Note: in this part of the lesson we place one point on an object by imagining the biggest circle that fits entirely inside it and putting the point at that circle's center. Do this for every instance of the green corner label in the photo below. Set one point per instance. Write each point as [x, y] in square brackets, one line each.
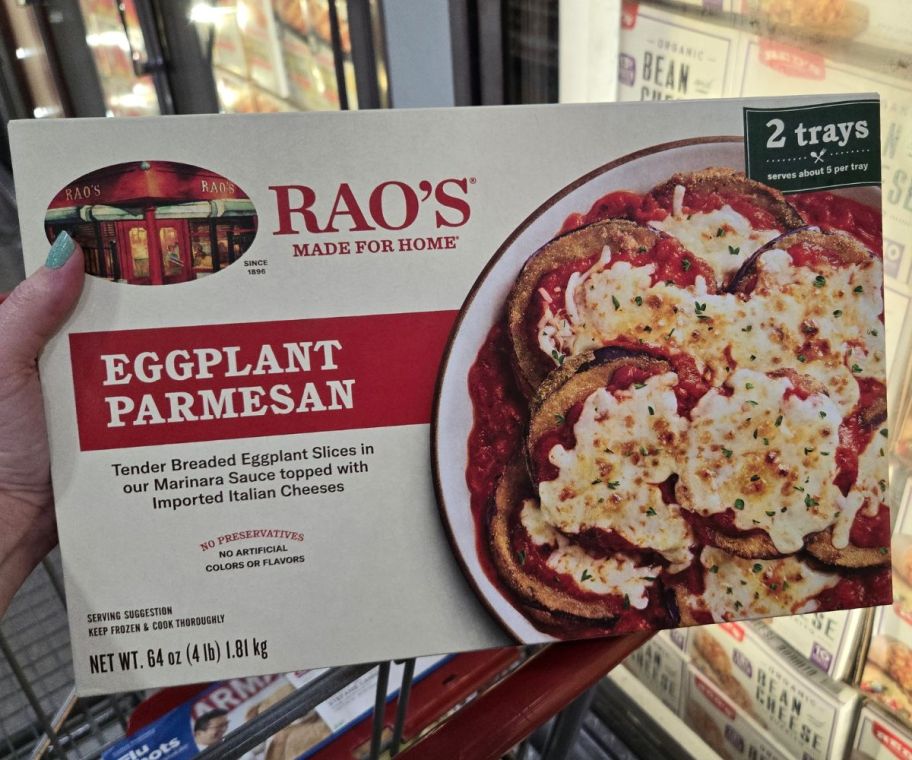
[814, 147]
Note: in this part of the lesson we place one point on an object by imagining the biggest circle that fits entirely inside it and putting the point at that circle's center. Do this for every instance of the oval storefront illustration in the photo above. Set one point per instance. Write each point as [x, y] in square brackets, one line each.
[154, 222]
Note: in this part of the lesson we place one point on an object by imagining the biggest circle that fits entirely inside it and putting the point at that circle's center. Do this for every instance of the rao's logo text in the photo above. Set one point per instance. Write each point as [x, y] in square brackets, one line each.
[392, 205]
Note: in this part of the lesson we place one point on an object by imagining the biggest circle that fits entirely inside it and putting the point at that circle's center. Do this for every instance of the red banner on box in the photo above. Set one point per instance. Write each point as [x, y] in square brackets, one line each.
[214, 382]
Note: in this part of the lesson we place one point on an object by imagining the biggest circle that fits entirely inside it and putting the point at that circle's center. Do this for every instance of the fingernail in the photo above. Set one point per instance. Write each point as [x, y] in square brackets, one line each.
[61, 251]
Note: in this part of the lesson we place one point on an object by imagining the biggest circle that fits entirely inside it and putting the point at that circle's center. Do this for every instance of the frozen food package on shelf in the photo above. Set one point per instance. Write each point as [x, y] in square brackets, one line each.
[669, 55]
[829, 640]
[851, 28]
[303, 77]
[724, 725]
[901, 509]
[205, 719]
[801, 707]
[261, 47]
[857, 26]
[660, 666]
[236, 95]
[227, 41]
[887, 675]
[879, 736]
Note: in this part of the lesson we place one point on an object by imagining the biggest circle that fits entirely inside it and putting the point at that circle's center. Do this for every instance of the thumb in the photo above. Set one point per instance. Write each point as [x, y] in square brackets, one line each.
[38, 306]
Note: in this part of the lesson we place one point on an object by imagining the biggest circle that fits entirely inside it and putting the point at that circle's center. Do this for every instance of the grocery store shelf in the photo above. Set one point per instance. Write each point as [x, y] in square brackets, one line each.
[643, 722]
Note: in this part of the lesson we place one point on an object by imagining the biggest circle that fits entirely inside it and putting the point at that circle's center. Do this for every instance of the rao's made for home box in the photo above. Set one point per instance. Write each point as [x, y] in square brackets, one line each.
[347, 387]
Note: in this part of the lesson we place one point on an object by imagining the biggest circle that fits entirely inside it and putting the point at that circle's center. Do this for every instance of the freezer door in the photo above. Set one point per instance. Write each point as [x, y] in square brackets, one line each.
[276, 55]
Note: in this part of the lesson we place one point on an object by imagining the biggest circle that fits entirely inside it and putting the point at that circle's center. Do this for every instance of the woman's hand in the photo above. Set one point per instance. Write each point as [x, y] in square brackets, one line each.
[29, 315]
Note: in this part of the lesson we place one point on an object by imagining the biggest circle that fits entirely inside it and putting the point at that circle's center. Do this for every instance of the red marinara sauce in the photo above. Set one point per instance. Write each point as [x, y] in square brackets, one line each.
[701, 202]
[621, 204]
[500, 412]
[869, 587]
[833, 212]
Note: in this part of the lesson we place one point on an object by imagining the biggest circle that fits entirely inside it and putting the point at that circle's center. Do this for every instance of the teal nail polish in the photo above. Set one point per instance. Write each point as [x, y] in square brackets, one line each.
[61, 251]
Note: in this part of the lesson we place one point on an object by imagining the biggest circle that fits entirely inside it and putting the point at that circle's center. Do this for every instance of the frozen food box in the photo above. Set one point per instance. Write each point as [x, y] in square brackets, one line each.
[203, 721]
[725, 726]
[887, 675]
[669, 55]
[880, 737]
[804, 710]
[830, 640]
[660, 666]
[347, 387]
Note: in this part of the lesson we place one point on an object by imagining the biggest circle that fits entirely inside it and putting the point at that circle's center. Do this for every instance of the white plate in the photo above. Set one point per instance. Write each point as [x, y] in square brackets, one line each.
[453, 416]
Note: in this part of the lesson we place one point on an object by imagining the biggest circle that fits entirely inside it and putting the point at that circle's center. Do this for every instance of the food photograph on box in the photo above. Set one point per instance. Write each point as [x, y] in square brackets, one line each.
[512, 380]
[680, 410]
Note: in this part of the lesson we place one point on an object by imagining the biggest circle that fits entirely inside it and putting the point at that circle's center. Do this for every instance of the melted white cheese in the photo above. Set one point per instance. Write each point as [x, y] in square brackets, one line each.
[867, 493]
[621, 301]
[767, 456]
[788, 308]
[822, 322]
[723, 238]
[744, 588]
[609, 576]
[626, 444]
[835, 308]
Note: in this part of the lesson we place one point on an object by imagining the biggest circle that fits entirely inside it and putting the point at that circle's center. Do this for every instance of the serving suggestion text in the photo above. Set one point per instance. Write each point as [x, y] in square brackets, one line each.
[215, 382]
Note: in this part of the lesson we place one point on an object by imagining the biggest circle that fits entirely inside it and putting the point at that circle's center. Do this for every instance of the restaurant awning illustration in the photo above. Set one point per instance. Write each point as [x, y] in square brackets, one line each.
[192, 210]
[154, 222]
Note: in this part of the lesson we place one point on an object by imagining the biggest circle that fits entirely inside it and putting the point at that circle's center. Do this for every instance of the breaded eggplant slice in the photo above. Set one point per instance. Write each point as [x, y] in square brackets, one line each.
[729, 183]
[545, 602]
[600, 448]
[841, 250]
[532, 365]
[758, 467]
[722, 216]
[821, 546]
[738, 588]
